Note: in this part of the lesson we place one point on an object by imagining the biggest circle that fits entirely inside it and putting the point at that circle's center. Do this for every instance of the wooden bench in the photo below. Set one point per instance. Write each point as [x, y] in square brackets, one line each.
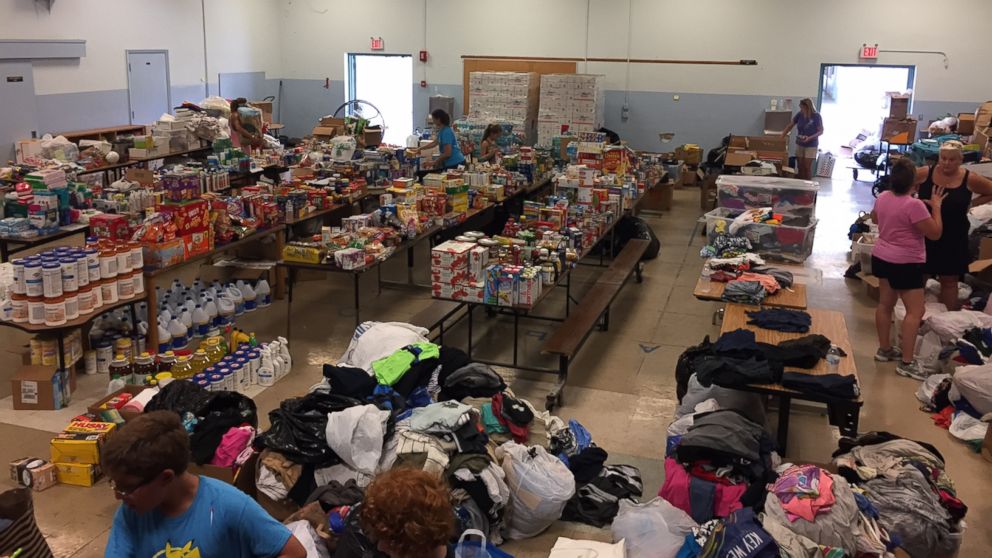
[594, 308]
[842, 413]
[434, 317]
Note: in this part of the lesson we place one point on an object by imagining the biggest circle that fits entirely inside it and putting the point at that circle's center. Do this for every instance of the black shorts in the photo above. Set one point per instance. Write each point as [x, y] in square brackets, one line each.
[901, 277]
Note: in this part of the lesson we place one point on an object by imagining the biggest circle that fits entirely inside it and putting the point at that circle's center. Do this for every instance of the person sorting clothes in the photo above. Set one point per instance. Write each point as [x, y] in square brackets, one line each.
[407, 513]
[948, 256]
[898, 260]
[168, 511]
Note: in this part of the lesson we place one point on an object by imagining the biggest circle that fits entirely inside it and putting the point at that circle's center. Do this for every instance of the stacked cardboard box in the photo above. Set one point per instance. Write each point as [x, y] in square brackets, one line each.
[76, 452]
[573, 100]
[458, 271]
[171, 136]
[505, 96]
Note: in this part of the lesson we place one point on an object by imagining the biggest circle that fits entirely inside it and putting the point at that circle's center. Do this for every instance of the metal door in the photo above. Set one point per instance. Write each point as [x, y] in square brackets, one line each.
[18, 113]
[148, 93]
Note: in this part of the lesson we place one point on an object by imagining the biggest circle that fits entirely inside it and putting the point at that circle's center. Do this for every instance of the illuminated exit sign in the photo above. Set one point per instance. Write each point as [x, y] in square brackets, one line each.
[377, 43]
[869, 52]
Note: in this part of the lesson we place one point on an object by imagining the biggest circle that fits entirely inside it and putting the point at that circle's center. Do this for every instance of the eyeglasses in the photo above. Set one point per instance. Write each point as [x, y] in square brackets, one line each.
[126, 493]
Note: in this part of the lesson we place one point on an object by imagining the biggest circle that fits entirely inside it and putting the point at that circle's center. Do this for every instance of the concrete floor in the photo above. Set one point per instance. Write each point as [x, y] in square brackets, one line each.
[622, 388]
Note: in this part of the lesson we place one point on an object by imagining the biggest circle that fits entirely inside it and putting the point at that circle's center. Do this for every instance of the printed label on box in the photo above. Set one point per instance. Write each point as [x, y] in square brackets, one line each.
[29, 392]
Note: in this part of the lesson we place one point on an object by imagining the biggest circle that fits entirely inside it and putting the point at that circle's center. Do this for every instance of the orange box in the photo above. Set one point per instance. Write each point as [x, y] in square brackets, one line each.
[189, 217]
[195, 244]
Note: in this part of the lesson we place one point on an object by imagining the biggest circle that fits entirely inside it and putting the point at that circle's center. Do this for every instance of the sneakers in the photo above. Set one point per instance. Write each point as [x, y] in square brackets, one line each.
[893, 353]
[911, 370]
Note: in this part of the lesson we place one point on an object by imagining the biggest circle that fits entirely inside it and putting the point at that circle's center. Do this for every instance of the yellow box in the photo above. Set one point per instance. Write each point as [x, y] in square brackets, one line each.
[76, 447]
[79, 474]
[90, 427]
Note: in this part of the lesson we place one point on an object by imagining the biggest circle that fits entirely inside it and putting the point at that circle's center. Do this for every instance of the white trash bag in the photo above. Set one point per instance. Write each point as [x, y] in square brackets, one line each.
[570, 548]
[540, 486]
[357, 435]
[654, 529]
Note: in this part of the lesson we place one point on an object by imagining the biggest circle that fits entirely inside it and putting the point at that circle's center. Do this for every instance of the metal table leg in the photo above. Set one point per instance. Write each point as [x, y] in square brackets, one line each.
[470, 306]
[784, 409]
[4, 253]
[357, 277]
[516, 335]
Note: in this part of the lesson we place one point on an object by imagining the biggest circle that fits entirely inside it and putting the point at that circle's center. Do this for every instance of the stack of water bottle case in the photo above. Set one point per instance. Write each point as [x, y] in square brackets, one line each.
[776, 215]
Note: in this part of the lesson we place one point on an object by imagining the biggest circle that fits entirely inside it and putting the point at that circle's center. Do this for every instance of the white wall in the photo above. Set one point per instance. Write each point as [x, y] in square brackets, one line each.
[789, 39]
[243, 36]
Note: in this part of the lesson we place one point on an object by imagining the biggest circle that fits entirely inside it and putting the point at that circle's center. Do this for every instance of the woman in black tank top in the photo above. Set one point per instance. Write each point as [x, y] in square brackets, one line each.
[948, 257]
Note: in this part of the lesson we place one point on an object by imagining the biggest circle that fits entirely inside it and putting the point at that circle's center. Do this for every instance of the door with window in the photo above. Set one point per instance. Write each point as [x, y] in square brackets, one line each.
[148, 93]
[384, 82]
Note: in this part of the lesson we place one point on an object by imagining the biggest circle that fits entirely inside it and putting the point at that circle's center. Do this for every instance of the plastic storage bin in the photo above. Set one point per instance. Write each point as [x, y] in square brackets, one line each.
[780, 242]
[788, 196]
[862, 252]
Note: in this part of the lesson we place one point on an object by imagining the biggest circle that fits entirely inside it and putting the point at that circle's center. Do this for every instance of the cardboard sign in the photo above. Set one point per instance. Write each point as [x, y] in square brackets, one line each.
[141, 176]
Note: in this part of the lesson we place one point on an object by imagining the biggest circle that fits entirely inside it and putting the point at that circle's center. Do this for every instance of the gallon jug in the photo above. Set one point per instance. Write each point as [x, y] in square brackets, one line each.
[263, 295]
[179, 334]
[201, 321]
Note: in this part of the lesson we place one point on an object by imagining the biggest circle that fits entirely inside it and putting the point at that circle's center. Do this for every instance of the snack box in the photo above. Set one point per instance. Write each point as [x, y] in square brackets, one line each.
[451, 254]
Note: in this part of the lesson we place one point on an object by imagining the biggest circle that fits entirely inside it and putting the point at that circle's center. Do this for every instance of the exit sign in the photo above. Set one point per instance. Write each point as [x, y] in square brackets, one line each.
[869, 52]
[377, 43]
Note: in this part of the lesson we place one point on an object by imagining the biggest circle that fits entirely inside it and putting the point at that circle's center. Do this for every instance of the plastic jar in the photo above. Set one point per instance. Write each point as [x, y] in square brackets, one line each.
[123, 346]
[216, 382]
[104, 356]
[123, 259]
[137, 256]
[228, 376]
[92, 263]
[108, 289]
[51, 277]
[71, 305]
[55, 311]
[182, 369]
[138, 281]
[33, 283]
[120, 367]
[36, 310]
[82, 273]
[97, 295]
[19, 308]
[166, 361]
[240, 375]
[85, 295]
[69, 282]
[18, 286]
[108, 264]
[125, 288]
[144, 365]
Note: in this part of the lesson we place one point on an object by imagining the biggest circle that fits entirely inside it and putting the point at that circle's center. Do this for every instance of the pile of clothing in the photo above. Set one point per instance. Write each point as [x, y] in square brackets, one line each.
[395, 399]
[221, 424]
[904, 482]
[961, 403]
[748, 279]
[726, 246]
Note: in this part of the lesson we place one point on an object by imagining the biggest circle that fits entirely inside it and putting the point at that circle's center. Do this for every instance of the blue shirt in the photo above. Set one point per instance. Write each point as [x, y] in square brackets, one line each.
[221, 522]
[807, 127]
[447, 137]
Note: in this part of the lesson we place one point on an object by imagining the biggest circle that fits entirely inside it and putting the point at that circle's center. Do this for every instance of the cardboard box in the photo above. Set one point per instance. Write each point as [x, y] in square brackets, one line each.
[331, 122]
[195, 244]
[36, 474]
[26, 149]
[163, 254]
[689, 154]
[79, 447]
[898, 106]
[39, 388]
[966, 123]
[707, 193]
[899, 132]
[78, 474]
[739, 157]
[983, 115]
[100, 407]
[242, 478]
[324, 132]
[189, 217]
[987, 445]
[689, 177]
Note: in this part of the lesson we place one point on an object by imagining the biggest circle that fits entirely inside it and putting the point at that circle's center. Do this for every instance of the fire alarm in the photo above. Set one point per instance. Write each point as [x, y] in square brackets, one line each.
[423, 83]
[423, 56]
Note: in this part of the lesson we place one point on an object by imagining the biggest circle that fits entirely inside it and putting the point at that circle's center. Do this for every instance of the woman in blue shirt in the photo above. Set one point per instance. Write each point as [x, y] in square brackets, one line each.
[451, 155]
[809, 127]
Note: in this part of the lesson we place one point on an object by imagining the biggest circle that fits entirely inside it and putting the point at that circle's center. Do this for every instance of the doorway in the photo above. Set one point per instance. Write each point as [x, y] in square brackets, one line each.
[18, 117]
[386, 82]
[148, 90]
[853, 101]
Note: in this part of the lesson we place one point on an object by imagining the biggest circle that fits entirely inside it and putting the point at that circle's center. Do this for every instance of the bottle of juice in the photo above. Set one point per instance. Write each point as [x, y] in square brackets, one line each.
[182, 369]
[199, 362]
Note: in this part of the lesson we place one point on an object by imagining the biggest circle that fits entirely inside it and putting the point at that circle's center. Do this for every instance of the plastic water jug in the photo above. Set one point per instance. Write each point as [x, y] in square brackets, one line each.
[225, 310]
[201, 321]
[164, 338]
[179, 334]
[186, 318]
[263, 295]
[250, 297]
[239, 301]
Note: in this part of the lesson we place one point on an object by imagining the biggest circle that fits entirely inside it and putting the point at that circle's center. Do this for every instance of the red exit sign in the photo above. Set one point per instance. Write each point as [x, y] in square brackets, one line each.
[377, 43]
[869, 52]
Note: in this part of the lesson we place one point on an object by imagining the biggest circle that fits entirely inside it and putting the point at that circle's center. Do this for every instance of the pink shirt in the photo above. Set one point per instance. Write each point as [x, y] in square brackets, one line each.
[899, 241]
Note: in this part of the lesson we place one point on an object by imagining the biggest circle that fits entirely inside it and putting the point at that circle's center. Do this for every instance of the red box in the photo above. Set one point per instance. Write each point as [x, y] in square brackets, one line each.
[451, 254]
[114, 227]
[195, 244]
[189, 217]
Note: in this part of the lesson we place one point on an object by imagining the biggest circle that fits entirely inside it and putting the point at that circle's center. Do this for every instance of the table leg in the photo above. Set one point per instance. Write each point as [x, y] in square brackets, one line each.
[61, 356]
[516, 334]
[409, 265]
[4, 254]
[152, 301]
[291, 279]
[356, 280]
[568, 293]
[470, 306]
[279, 292]
[784, 409]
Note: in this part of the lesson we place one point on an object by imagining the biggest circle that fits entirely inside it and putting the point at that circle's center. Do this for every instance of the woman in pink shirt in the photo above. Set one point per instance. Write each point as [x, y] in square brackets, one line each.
[898, 260]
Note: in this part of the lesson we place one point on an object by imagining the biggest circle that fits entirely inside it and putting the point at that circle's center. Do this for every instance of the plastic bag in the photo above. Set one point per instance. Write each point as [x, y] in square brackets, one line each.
[654, 529]
[927, 388]
[59, 148]
[356, 435]
[540, 486]
[224, 410]
[181, 396]
[477, 549]
[216, 106]
[928, 347]
[299, 428]
[308, 537]
[569, 548]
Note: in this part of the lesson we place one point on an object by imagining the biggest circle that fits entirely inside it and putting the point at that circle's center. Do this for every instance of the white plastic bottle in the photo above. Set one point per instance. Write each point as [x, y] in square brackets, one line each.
[263, 295]
[210, 307]
[115, 385]
[186, 317]
[225, 310]
[251, 298]
[284, 352]
[239, 301]
[201, 321]
[179, 334]
[164, 337]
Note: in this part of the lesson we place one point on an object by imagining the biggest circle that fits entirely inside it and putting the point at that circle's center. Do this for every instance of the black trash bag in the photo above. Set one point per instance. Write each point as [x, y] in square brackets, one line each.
[298, 428]
[685, 367]
[353, 543]
[181, 396]
[225, 410]
[629, 227]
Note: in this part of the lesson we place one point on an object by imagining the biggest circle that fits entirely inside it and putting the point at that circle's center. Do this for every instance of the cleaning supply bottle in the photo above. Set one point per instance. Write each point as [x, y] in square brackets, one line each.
[201, 321]
[179, 334]
[116, 384]
[186, 317]
[164, 337]
[284, 350]
[210, 307]
[239, 301]
[263, 295]
[225, 310]
[250, 297]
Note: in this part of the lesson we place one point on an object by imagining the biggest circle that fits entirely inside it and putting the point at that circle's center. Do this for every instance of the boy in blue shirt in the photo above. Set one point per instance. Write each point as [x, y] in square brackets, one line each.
[169, 512]
[450, 153]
